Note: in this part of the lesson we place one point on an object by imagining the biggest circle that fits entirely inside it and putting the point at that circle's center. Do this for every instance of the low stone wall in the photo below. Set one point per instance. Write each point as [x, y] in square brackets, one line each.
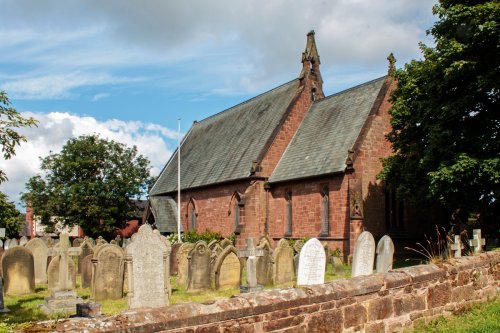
[376, 303]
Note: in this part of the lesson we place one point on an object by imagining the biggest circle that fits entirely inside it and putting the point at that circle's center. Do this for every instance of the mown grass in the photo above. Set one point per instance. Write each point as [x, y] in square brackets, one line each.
[481, 318]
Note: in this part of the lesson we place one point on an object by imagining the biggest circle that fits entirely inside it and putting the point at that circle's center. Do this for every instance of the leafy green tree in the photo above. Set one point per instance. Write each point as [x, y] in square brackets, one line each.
[10, 120]
[10, 218]
[445, 115]
[91, 183]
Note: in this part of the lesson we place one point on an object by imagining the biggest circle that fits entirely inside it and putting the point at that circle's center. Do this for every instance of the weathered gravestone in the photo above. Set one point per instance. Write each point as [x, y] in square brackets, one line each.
[169, 254]
[18, 270]
[86, 271]
[227, 269]
[283, 271]
[23, 240]
[107, 272]
[147, 263]
[212, 243]
[100, 241]
[264, 263]
[86, 249]
[183, 264]
[477, 242]
[225, 242]
[199, 267]
[251, 254]
[457, 247]
[77, 242]
[216, 250]
[364, 255]
[40, 254]
[311, 263]
[297, 247]
[173, 258]
[385, 254]
[1, 244]
[62, 278]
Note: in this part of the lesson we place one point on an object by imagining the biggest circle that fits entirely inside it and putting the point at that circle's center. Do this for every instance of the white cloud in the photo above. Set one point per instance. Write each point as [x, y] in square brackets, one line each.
[56, 128]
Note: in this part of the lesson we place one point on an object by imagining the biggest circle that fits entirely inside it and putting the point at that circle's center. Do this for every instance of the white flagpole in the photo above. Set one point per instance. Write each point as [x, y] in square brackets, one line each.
[179, 182]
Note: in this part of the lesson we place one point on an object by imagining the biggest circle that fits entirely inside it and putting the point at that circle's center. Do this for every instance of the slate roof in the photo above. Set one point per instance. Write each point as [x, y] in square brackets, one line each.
[164, 209]
[222, 147]
[329, 129]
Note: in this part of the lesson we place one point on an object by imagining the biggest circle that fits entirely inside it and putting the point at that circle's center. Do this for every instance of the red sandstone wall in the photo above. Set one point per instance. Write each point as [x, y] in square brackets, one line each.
[307, 207]
[377, 303]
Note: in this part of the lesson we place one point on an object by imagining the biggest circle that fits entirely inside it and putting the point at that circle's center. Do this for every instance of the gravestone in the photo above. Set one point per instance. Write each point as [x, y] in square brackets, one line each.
[199, 267]
[86, 271]
[3, 309]
[264, 263]
[337, 265]
[6, 245]
[212, 244]
[86, 249]
[23, 240]
[477, 242]
[18, 270]
[225, 242]
[215, 253]
[297, 247]
[100, 241]
[1, 244]
[183, 264]
[40, 254]
[227, 269]
[173, 258]
[147, 264]
[251, 253]
[169, 254]
[61, 276]
[311, 263]
[283, 272]
[125, 242]
[457, 247]
[107, 272]
[364, 255]
[385, 254]
[77, 242]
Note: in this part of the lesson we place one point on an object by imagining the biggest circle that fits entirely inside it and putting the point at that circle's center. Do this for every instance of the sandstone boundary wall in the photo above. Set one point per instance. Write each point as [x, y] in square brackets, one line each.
[377, 303]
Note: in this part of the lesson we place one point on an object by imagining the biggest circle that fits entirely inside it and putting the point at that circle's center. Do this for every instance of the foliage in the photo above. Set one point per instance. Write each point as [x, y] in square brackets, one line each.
[191, 236]
[10, 218]
[435, 250]
[445, 125]
[92, 183]
[10, 120]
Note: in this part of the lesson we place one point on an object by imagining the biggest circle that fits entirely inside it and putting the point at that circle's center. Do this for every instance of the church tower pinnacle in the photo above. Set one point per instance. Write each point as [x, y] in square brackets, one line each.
[310, 64]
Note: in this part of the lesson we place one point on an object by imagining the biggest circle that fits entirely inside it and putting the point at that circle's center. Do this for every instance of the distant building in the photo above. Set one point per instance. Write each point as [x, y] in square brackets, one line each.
[288, 163]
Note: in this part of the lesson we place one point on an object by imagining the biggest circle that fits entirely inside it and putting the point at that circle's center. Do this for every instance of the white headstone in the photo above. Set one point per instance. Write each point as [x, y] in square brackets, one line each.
[147, 263]
[23, 240]
[385, 254]
[312, 262]
[477, 242]
[364, 255]
[457, 247]
[2, 232]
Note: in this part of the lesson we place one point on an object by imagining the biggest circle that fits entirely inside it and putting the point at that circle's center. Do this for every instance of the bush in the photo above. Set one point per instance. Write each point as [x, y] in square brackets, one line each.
[192, 236]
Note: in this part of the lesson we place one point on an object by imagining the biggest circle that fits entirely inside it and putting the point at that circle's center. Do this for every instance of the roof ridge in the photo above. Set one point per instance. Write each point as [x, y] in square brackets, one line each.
[245, 101]
[349, 89]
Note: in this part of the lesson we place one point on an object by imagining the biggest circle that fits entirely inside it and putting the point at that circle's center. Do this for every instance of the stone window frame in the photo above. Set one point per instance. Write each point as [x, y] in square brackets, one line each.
[192, 214]
[325, 210]
[288, 213]
[237, 209]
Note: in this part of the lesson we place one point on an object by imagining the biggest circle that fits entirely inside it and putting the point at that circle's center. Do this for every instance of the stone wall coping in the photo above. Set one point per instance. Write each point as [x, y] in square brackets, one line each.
[251, 304]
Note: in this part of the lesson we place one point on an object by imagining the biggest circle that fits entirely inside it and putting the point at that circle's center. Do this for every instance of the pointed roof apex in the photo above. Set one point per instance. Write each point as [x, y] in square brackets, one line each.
[392, 69]
[311, 52]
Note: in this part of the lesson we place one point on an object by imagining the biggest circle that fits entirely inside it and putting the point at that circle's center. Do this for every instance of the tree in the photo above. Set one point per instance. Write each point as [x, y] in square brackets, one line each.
[10, 218]
[92, 183]
[10, 119]
[445, 119]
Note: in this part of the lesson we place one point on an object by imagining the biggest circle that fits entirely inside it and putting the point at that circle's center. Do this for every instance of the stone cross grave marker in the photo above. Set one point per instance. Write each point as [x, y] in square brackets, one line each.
[364, 255]
[63, 296]
[251, 253]
[477, 242]
[457, 247]
[385, 254]
[312, 260]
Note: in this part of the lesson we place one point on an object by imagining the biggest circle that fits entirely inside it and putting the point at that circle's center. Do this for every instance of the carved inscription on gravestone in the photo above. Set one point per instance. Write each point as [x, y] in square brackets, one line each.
[148, 271]
[107, 276]
[311, 263]
[18, 271]
[364, 255]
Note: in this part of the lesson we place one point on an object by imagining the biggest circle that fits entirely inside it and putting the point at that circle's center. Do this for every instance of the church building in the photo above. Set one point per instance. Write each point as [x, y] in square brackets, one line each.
[289, 163]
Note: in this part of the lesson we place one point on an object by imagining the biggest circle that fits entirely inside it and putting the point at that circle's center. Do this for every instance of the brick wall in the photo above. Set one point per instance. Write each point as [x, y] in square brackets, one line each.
[376, 303]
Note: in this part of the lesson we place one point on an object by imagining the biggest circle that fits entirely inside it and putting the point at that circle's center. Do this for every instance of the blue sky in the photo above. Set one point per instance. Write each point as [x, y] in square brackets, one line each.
[129, 69]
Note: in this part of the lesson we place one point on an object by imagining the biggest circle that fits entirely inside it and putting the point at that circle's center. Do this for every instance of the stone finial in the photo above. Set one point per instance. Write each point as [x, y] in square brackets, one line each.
[349, 163]
[392, 69]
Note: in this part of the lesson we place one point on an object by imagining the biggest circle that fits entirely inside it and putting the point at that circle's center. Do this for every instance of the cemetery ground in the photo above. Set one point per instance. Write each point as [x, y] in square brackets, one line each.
[25, 309]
